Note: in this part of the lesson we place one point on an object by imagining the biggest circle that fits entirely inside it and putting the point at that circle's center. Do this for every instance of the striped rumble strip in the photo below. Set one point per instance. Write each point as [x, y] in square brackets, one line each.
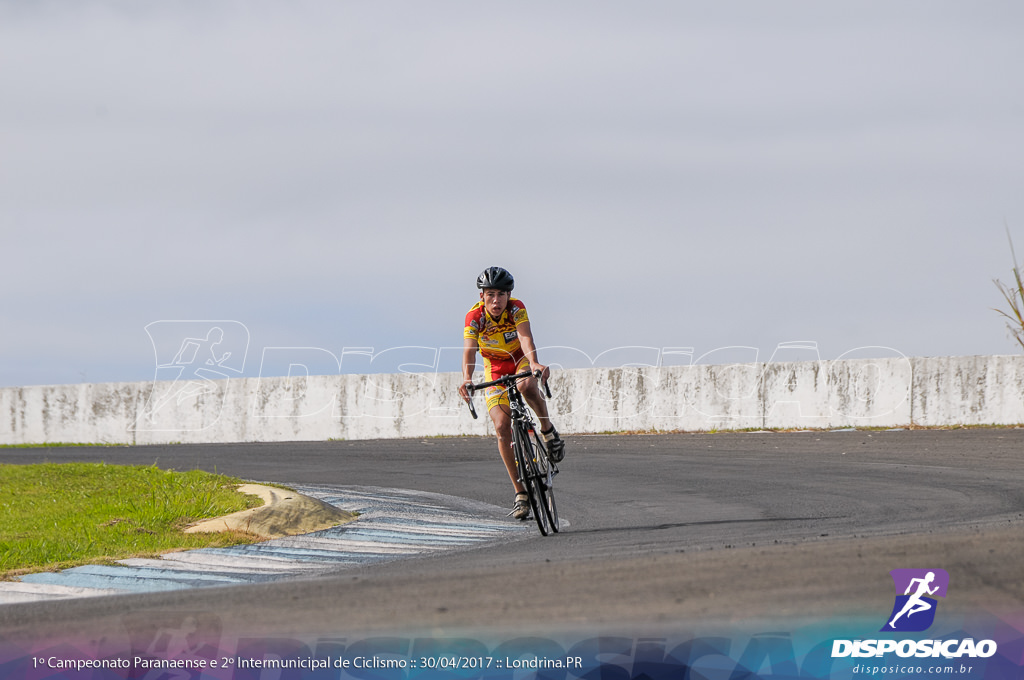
[393, 524]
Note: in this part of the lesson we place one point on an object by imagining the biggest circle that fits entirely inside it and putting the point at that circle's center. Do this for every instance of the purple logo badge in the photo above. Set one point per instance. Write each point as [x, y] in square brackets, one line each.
[916, 590]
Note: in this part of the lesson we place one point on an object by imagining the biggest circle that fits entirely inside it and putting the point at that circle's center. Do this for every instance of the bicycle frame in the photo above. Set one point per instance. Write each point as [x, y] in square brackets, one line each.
[535, 471]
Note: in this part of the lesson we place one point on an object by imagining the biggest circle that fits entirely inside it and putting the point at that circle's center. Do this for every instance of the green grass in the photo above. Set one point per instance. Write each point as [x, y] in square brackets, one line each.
[55, 516]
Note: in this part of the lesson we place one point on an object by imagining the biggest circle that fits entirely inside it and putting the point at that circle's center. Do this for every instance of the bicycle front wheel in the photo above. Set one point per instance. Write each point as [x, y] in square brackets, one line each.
[547, 488]
[530, 476]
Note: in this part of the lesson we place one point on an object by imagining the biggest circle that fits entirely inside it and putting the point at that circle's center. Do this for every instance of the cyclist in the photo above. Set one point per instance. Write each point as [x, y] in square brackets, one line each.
[499, 329]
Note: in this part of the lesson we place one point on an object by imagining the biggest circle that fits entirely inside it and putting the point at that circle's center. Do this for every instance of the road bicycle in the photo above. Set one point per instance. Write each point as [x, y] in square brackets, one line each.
[534, 469]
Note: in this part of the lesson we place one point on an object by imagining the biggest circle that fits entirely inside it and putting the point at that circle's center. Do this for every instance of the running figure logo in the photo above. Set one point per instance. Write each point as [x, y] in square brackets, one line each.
[193, 361]
[914, 610]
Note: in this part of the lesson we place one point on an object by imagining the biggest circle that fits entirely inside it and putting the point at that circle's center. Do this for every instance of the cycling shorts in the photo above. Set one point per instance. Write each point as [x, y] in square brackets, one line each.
[497, 395]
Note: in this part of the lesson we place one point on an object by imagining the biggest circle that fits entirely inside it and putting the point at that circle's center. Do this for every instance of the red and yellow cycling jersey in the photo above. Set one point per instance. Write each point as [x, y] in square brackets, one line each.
[498, 342]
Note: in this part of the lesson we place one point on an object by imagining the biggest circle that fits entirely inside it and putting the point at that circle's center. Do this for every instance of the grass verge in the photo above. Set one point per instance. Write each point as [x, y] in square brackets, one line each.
[54, 516]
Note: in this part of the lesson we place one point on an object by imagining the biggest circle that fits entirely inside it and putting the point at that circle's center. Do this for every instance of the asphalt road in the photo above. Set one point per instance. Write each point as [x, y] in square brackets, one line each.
[660, 530]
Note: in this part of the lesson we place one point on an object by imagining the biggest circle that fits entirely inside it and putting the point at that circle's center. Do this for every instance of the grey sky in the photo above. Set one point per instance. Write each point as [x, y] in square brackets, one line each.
[335, 174]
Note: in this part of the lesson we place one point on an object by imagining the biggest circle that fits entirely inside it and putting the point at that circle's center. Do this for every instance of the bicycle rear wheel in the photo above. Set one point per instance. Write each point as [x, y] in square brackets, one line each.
[530, 476]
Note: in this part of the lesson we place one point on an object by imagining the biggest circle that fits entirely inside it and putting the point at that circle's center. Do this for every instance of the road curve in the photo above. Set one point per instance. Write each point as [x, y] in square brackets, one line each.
[662, 529]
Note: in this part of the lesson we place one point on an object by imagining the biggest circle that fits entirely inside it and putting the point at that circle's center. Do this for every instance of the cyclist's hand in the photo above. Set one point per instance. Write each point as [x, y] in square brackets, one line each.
[464, 390]
[545, 372]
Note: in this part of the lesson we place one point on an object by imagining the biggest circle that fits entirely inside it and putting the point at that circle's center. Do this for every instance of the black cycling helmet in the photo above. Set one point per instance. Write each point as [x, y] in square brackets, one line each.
[495, 277]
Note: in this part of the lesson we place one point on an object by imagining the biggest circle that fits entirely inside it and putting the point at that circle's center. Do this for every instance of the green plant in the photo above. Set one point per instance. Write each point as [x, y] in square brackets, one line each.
[53, 516]
[1014, 296]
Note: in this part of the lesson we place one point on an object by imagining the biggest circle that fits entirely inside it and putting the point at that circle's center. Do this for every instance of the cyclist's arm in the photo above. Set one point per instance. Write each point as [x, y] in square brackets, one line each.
[469, 346]
[530, 349]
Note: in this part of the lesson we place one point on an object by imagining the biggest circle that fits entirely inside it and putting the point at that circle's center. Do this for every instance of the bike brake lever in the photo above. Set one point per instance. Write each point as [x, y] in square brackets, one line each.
[547, 390]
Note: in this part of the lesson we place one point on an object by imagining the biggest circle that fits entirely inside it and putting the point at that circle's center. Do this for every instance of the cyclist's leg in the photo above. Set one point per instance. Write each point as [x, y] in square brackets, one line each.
[498, 409]
[503, 429]
[531, 392]
[500, 412]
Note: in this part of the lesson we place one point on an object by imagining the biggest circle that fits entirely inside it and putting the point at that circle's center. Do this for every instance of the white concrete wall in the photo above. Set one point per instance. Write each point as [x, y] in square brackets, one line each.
[893, 392]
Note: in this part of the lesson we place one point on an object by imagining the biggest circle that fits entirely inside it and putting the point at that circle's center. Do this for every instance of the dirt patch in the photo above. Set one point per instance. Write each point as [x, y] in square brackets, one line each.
[283, 513]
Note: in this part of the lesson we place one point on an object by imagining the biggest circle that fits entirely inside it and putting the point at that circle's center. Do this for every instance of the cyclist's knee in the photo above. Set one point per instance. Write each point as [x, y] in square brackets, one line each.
[502, 421]
[528, 386]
